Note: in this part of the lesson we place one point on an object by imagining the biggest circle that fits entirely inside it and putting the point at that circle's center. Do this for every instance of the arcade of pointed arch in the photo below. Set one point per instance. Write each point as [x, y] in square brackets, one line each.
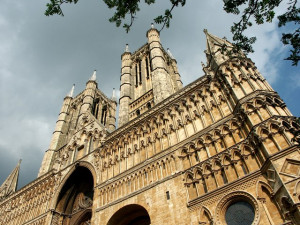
[137, 180]
[209, 166]
[82, 143]
[242, 77]
[169, 127]
[262, 107]
[193, 112]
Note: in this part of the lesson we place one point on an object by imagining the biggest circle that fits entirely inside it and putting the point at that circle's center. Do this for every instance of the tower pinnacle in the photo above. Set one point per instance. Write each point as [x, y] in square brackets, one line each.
[113, 97]
[9, 186]
[93, 77]
[71, 91]
[127, 48]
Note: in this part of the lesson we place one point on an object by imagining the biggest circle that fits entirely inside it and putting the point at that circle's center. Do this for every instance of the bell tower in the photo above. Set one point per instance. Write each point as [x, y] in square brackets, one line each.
[80, 116]
[148, 76]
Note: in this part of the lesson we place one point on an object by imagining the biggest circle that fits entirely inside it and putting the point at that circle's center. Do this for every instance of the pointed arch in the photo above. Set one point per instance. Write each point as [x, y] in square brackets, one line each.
[75, 193]
[297, 190]
[250, 158]
[271, 210]
[191, 186]
[229, 168]
[205, 216]
[130, 214]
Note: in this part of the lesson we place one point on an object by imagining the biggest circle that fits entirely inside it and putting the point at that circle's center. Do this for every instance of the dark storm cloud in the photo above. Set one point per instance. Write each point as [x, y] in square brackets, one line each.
[41, 57]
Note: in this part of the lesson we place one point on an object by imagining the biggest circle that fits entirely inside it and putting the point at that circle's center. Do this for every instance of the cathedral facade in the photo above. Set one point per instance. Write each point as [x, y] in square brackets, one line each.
[222, 150]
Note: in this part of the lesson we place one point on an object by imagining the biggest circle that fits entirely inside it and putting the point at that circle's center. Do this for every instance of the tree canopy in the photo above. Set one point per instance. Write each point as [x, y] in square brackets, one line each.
[250, 11]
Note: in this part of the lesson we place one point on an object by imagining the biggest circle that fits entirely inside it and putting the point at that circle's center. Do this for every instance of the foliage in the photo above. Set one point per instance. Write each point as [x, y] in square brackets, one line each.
[262, 11]
[258, 11]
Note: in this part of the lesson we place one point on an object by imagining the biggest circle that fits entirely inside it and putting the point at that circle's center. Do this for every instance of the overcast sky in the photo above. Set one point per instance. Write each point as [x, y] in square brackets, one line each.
[41, 57]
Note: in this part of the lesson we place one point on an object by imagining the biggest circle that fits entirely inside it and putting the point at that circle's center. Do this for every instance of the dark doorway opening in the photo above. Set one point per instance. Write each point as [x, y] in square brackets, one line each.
[130, 215]
[75, 200]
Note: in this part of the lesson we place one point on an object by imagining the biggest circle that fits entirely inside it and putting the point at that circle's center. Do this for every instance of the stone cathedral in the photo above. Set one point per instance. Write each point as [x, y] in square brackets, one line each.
[222, 150]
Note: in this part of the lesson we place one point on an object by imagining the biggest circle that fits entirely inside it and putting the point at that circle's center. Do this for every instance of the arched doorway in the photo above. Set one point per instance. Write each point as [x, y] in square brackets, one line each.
[130, 215]
[74, 205]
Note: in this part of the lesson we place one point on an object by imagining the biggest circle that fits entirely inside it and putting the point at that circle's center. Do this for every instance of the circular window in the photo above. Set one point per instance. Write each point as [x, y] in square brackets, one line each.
[237, 208]
[240, 212]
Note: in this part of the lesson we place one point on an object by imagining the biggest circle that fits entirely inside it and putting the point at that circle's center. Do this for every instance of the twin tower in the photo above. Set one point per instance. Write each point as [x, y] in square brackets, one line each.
[148, 76]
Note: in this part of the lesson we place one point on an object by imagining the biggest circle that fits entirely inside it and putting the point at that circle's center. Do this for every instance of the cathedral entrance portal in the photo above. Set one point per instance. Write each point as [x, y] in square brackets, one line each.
[130, 215]
[74, 206]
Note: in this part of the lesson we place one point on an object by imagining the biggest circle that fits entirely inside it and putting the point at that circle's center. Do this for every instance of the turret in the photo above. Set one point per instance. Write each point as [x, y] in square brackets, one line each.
[125, 87]
[89, 95]
[59, 133]
[161, 80]
[178, 84]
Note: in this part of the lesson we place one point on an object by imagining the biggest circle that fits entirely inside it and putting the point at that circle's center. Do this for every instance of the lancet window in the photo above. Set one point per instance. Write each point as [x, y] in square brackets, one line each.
[104, 115]
[147, 68]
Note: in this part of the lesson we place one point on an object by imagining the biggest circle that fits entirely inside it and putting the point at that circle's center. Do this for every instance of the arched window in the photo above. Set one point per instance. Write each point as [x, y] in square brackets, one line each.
[240, 212]
[225, 181]
[136, 75]
[103, 115]
[149, 105]
[147, 67]
[197, 157]
[95, 107]
[140, 71]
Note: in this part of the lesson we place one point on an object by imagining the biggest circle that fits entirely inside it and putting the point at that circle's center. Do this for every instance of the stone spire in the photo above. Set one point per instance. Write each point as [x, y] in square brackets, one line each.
[9, 186]
[127, 48]
[214, 44]
[93, 77]
[71, 91]
[113, 97]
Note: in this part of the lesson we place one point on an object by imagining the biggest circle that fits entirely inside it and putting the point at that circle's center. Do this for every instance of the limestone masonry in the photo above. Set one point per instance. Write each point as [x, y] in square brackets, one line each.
[221, 150]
